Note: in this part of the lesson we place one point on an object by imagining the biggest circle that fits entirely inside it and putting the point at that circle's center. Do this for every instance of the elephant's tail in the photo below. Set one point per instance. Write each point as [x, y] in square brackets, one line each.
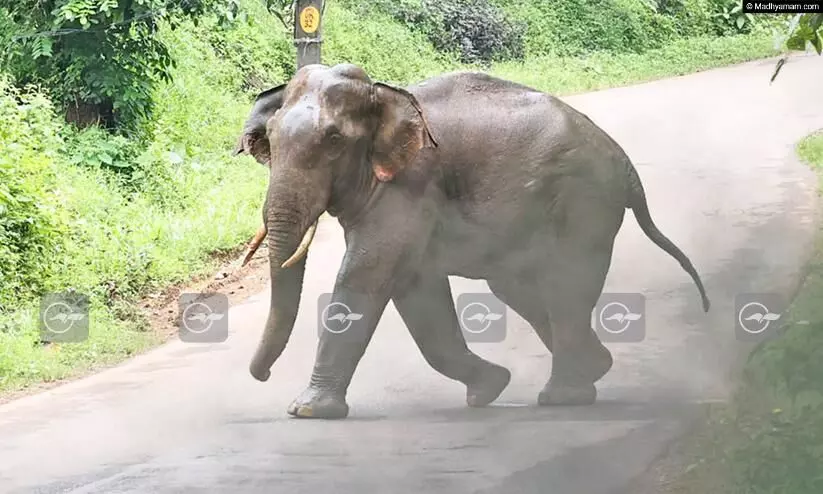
[640, 208]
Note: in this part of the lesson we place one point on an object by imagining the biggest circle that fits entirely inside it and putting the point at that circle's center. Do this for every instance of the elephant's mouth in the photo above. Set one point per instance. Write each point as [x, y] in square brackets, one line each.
[299, 252]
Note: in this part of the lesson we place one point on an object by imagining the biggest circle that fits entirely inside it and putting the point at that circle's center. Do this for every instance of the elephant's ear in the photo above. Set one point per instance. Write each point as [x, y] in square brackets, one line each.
[402, 131]
[254, 140]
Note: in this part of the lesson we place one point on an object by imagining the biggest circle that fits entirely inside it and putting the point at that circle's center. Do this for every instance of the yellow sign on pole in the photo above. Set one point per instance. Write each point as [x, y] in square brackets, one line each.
[307, 29]
[309, 19]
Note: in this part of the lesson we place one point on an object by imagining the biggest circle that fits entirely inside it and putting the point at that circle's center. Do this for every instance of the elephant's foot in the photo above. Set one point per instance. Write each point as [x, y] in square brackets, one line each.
[573, 378]
[487, 385]
[597, 365]
[319, 404]
[555, 394]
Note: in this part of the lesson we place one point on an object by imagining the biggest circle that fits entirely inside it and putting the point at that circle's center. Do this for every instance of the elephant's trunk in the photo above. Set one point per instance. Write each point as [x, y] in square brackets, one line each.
[286, 286]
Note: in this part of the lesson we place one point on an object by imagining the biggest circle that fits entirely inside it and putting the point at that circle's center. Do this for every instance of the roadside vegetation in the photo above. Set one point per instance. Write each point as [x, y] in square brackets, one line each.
[116, 126]
[769, 437]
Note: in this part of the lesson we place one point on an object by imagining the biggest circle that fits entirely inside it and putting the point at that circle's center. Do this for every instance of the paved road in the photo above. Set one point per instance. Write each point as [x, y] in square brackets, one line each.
[716, 153]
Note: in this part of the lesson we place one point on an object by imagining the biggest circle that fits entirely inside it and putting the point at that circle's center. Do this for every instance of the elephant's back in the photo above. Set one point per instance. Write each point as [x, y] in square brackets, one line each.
[505, 150]
[481, 121]
[471, 110]
[490, 127]
[458, 95]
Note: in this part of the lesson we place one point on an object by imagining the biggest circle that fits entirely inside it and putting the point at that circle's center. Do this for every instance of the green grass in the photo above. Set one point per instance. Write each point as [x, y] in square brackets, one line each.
[769, 437]
[384, 48]
[115, 244]
[117, 240]
[118, 237]
[602, 70]
[810, 150]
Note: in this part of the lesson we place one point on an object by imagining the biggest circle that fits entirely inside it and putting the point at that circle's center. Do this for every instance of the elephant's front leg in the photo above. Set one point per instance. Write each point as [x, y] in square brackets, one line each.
[361, 292]
[347, 324]
[427, 308]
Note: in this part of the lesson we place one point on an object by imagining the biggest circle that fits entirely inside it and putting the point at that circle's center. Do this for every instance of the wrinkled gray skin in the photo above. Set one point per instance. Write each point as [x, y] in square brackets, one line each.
[465, 175]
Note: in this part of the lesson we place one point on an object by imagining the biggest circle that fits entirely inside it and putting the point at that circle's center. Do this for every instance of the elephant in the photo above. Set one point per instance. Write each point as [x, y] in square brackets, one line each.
[463, 174]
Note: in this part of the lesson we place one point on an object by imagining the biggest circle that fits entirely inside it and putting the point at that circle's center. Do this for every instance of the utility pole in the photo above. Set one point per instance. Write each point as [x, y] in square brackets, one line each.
[308, 31]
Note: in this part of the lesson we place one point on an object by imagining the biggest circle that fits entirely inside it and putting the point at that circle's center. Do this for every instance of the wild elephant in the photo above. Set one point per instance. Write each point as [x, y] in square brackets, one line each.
[463, 174]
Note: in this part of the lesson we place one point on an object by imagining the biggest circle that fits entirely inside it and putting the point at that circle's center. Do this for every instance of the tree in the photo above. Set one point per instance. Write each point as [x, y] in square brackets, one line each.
[98, 59]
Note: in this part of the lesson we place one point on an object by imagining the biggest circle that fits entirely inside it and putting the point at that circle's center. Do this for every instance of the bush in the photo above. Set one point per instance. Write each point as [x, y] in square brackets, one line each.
[602, 70]
[575, 27]
[96, 148]
[729, 19]
[259, 49]
[476, 30]
[691, 17]
[108, 58]
[382, 46]
[99, 214]
[29, 227]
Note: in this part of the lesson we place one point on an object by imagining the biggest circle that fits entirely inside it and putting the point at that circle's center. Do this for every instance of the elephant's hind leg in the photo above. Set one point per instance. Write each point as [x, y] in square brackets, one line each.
[522, 295]
[525, 297]
[579, 358]
[576, 264]
[427, 309]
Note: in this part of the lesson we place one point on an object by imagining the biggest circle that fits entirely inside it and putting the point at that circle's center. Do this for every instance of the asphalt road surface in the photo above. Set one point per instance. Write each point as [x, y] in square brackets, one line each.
[716, 153]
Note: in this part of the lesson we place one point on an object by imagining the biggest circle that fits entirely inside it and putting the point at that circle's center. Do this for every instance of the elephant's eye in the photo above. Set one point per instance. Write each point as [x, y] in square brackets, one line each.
[333, 136]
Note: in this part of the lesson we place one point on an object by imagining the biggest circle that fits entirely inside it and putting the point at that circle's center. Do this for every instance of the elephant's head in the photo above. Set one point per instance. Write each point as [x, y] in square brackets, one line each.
[329, 137]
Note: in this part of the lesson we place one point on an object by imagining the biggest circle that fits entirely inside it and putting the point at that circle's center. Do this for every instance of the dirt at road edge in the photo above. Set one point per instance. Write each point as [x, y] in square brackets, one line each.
[159, 311]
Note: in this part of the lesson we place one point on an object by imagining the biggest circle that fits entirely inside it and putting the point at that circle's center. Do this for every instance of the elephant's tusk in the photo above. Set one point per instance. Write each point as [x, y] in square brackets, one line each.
[302, 248]
[255, 244]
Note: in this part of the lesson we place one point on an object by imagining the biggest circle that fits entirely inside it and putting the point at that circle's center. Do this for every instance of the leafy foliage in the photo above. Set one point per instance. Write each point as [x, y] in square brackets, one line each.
[98, 59]
[691, 17]
[803, 30]
[477, 30]
[77, 220]
[29, 230]
[602, 69]
[375, 45]
[729, 17]
[95, 148]
[576, 27]
[258, 46]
